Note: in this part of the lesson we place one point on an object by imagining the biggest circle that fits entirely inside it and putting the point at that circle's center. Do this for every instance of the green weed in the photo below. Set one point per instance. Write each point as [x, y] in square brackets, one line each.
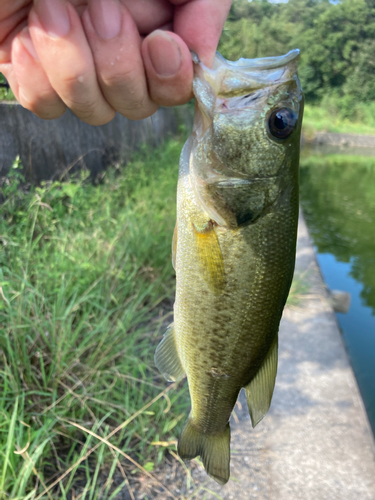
[298, 289]
[85, 287]
[332, 116]
[5, 94]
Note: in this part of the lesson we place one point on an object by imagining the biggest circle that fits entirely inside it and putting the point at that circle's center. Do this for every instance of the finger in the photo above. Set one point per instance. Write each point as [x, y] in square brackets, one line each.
[6, 66]
[65, 56]
[115, 44]
[11, 17]
[149, 15]
[169, 68]
[200, 23]
[34, 89]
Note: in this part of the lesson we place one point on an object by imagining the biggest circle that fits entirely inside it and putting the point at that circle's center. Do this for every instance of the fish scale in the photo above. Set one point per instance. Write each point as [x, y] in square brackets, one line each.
[234, 247]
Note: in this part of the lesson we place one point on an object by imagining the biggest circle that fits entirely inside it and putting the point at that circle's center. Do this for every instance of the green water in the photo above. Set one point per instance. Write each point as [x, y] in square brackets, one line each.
[338, 201]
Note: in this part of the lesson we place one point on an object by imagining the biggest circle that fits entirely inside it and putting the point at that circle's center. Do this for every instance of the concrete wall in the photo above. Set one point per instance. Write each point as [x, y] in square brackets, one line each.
[48, 149]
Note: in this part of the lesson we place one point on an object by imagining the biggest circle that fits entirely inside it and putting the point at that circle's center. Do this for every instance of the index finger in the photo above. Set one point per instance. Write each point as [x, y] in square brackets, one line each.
[200, 23]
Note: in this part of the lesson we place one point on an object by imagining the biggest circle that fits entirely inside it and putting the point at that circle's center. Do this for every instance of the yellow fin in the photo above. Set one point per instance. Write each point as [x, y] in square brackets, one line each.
[210, 257]
[214, 450]
[174, 247]
[259, 391]
[166, 358]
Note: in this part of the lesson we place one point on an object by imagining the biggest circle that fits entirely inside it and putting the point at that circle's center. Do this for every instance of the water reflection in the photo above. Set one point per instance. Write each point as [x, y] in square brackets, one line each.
[338, 200]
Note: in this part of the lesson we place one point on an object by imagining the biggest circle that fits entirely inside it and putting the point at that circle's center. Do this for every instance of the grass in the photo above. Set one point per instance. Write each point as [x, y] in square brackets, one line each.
[327, 117]
[298, 290]
[335, 160]
[85, 294]
[86, 286]
[5, 94]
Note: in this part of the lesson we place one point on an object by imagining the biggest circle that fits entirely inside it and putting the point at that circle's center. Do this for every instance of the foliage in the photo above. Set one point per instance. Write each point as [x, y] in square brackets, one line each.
[5, 94]
[86, 285]
[336, 42]
[85, 293]
[330, 116]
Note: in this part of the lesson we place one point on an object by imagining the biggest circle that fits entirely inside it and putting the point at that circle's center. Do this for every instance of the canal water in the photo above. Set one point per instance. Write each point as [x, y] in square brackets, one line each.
[338, 202]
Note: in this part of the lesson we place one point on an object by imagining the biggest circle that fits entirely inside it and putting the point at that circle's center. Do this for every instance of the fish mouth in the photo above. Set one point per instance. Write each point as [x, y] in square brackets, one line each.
[235, 78]
[262, 63]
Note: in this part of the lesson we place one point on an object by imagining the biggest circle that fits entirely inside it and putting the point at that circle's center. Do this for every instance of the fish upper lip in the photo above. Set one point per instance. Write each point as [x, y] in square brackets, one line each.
[262, 63]
[257, 63]
[233, 78]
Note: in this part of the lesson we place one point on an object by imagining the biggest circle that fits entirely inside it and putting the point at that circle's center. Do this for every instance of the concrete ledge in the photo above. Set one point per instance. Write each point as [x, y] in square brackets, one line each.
[343, 140]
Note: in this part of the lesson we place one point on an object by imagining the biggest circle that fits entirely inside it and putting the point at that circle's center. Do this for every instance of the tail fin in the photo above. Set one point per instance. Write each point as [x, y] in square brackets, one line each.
[214, 450]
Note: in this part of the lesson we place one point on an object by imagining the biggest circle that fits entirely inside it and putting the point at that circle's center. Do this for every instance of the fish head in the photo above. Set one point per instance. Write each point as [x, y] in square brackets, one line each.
[246, 135]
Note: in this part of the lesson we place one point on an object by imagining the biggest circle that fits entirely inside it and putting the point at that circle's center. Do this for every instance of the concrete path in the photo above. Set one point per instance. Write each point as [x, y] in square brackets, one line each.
[315, 443]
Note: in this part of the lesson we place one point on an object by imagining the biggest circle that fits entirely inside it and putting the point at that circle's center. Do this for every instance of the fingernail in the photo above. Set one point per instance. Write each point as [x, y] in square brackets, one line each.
[54, 17]
[106, 18]
[164, 53]
[27, 42]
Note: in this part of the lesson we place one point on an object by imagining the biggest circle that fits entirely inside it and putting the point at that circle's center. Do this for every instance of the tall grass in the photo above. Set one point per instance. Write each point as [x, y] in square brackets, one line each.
[339, 116]
[86, 286]
[85, 293]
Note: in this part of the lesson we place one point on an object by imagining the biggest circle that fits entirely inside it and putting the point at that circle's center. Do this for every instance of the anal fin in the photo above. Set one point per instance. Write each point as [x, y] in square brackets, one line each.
[259, 391]
[167, 359]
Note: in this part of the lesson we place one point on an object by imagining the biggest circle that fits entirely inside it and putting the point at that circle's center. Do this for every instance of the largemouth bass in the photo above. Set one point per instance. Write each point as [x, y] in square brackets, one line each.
[234, 246]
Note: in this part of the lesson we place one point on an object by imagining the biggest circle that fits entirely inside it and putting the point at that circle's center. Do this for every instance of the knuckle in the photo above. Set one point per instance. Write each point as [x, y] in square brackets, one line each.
[45, 104]
[83, 97]
[139, 115]
[84, 109]
[91, 113]
[127, 93]
[127, 76]
[172, 93]
[137, 109]
[75, 82]
[167, 99]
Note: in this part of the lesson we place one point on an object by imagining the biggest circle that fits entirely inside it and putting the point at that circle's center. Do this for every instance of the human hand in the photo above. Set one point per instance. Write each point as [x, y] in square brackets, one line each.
[97, 57]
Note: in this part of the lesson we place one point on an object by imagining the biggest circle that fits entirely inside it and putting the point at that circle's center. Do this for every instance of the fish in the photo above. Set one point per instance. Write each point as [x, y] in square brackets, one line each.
[234, 246]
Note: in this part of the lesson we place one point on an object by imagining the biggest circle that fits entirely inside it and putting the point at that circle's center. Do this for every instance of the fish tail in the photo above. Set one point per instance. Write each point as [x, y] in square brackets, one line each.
[214, 450]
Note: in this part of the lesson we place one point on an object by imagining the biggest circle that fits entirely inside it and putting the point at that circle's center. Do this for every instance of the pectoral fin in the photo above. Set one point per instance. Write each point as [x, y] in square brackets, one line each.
[259, 391]
[167, 359]
[210, 257]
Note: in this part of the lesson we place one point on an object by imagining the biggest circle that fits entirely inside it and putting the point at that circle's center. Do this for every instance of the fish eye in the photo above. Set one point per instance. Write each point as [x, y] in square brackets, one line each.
[281, 122]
